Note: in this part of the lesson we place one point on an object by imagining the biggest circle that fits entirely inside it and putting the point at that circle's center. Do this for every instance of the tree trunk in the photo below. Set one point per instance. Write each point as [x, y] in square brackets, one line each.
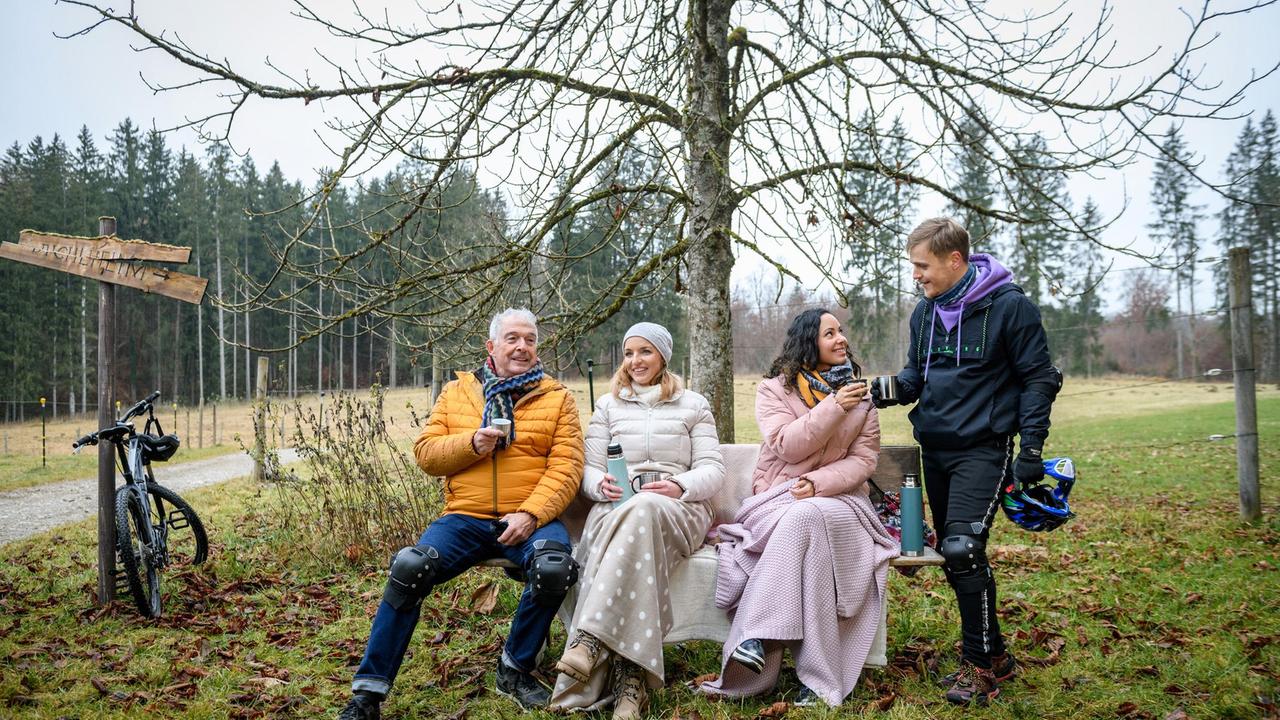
[84, 350]
[342, 351]
[391, 353]
[177, 351]
[199, 359]
[1178, 322]
[712, 204]
[222, 327]
[248, 354]
[158, 341]
[293, 338]
[57, 312]
[319, 342]
[235, 355]
[1191, 318]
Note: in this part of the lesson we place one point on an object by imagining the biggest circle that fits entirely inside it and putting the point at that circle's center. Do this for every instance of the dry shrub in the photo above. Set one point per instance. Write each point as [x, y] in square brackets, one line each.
[360, 491]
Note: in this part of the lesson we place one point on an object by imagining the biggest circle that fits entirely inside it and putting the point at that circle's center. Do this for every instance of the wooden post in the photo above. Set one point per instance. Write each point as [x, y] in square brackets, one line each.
[106, 461]
[260, 419]
[215, 424]
[188, 434]
[1242, 363]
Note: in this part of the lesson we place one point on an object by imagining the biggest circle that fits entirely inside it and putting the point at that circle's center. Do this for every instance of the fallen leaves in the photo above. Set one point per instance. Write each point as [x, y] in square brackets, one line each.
[484, 598]
[882, 704]
[776, 710]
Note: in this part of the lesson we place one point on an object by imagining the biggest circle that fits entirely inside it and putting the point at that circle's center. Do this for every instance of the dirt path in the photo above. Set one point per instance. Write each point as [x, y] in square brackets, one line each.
[27, 511]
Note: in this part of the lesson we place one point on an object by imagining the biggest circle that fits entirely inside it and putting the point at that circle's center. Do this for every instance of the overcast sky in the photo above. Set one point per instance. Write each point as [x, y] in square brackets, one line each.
[55, 86]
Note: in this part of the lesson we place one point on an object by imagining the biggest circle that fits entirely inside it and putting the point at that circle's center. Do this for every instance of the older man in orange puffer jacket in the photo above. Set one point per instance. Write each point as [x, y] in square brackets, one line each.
[507, 441]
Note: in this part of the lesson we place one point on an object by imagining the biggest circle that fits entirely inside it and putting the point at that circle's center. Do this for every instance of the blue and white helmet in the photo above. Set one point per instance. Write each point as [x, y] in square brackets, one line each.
[1040, 507]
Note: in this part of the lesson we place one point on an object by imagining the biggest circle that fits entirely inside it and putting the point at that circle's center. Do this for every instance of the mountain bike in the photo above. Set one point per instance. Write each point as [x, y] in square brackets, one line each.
[150, 518]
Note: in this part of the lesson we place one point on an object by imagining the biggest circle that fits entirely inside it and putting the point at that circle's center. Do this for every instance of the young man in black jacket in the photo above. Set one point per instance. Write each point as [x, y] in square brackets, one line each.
[978, 370]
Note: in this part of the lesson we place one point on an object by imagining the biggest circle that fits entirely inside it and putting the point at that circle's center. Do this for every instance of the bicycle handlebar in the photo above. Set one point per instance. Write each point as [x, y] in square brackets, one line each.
[137, 409]
[140, 406]
[90, 439]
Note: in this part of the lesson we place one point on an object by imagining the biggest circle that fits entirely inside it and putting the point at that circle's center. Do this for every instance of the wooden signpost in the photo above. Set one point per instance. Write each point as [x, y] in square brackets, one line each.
[110, 259]
[112, 262]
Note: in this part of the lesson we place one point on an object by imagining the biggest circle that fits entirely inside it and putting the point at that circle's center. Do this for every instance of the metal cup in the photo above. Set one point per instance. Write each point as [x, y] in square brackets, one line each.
[887, 387]
[644, 478]
[502, 424]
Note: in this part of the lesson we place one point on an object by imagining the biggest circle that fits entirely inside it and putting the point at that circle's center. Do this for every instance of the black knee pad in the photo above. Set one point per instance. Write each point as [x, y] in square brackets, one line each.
[552, 572]
[966, 559]
[413, 570]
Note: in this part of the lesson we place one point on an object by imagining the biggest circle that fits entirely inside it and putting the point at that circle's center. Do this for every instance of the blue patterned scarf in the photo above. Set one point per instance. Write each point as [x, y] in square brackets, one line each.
[502, 393]
[830, 380]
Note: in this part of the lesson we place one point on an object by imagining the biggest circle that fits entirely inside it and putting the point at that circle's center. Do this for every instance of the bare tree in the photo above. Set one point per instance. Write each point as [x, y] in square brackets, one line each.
[752, 105]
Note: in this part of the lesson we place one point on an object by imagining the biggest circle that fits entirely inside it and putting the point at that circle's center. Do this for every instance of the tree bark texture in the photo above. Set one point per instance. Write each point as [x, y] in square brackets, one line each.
[712, 202]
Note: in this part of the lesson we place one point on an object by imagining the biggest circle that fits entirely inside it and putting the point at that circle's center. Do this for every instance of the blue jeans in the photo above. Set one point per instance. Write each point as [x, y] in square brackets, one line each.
[462, 542]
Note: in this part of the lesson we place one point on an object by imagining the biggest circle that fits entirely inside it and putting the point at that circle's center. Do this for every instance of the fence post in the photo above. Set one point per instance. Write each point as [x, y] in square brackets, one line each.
[215, 424]
[106, 460]
[260, 419]
[1242, 363]
[44, 433]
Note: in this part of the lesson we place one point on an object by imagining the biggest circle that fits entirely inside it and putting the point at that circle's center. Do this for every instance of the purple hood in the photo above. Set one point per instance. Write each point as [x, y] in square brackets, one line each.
[990, 275]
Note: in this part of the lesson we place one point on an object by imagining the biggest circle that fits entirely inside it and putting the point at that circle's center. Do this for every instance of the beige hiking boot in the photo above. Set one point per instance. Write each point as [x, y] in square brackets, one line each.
[632, 697]
[580, 657]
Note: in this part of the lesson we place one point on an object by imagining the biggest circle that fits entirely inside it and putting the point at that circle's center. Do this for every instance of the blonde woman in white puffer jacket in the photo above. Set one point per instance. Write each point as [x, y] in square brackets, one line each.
[614, 654]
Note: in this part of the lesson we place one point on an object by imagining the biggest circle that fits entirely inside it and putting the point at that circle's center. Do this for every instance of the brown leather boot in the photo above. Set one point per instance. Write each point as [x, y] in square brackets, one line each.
[580, 657]
[632, 697]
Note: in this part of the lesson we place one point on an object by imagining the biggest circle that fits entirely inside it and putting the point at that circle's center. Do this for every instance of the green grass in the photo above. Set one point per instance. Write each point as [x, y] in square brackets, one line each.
[1156, 598]
[21, 471]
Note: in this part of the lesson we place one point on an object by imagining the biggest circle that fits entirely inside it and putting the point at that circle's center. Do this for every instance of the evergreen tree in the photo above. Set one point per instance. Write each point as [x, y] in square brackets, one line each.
[1035, 249]
[970, 174]
[883, 209]
[1176, 225]
[1264, 238]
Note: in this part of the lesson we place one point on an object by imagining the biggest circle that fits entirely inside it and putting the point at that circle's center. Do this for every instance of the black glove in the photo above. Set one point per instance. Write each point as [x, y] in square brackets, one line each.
[876, 398]
[1028, 468]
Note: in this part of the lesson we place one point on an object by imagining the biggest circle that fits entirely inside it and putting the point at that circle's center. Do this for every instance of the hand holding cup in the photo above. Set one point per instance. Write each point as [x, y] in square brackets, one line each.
[486, 439]
[884, 391]
[850, 394]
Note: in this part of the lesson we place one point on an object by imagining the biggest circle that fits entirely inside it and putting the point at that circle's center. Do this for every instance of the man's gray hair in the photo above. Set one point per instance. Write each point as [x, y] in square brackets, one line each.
[522, 314]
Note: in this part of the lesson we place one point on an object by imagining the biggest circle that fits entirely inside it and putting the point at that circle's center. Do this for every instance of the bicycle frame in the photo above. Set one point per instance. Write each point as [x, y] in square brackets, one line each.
[136, 473]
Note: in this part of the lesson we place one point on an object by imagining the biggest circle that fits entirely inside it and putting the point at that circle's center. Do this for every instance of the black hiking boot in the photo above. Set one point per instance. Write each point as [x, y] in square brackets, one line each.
[521, 687]
[363, 706]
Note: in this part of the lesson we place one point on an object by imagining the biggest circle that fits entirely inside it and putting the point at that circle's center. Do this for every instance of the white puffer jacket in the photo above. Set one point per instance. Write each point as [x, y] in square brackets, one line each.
[675, 436]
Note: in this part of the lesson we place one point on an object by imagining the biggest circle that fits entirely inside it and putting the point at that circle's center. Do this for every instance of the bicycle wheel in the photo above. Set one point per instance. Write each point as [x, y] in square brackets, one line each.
[137, 558]
[185, 540]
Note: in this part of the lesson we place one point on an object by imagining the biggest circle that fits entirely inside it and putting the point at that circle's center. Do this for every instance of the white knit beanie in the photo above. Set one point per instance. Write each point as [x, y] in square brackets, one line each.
[655, 334]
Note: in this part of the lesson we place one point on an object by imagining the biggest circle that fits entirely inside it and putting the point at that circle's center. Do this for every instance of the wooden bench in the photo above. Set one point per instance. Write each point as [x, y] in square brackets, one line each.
[694, 614]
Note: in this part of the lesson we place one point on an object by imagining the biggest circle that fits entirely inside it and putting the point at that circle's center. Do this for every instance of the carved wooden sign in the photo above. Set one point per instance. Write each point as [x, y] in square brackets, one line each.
[110, 259]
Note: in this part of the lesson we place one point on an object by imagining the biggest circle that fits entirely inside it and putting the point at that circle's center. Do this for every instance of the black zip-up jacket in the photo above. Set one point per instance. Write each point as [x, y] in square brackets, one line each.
[1004, 382]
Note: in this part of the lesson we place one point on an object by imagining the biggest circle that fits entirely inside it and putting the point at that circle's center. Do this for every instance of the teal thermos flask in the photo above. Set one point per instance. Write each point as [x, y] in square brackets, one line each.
[617, 466]
[912, 516]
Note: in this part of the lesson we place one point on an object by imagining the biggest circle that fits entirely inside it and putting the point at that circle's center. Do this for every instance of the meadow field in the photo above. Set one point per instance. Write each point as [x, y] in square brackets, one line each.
[1155, 602]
